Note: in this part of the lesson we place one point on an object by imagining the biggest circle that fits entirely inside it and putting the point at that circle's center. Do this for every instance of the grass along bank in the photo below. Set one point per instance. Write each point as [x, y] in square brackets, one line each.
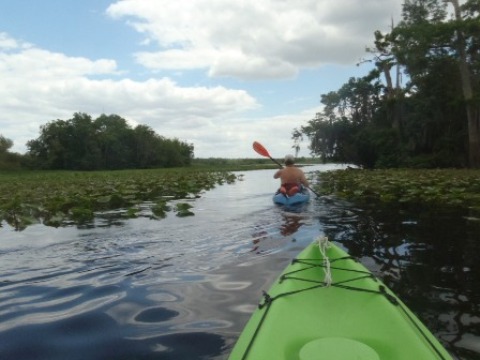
[405, 187]
[57, 198]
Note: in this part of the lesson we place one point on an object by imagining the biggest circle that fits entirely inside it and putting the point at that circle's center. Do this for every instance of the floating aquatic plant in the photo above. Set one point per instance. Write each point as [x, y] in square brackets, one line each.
[183, 209]
[407, 187]
[132, 213]
[161, 208]
[56, 198]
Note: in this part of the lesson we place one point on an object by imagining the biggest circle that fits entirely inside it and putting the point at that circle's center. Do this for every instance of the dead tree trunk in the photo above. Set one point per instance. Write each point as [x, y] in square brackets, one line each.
[472, 109]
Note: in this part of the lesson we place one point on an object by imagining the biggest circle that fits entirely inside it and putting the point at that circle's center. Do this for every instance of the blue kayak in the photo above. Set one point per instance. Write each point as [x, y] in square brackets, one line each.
[299, 198]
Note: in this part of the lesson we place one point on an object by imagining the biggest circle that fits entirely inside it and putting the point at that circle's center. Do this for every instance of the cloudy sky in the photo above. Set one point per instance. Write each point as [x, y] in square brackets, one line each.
[216, 73]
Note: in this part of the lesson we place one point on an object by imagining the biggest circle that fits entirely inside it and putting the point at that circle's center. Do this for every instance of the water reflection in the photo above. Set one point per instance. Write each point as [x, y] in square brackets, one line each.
[142, 288]
[291, 224]
[429, 257]
[145, 289]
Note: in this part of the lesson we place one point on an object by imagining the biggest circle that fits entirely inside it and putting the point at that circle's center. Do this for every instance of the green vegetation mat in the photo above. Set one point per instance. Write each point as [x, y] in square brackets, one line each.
[409, 187]
[57, 198]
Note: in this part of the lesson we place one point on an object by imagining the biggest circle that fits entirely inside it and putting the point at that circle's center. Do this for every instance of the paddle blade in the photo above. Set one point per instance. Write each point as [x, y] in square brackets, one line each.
[260, 149]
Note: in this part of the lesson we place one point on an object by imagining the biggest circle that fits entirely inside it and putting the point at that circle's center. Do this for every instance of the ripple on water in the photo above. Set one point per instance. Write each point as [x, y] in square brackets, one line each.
[184, 289]
[157, 314]
[183, 345]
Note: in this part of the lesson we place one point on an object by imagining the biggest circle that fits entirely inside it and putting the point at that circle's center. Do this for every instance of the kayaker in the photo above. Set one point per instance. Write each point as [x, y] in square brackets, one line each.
[291, 177]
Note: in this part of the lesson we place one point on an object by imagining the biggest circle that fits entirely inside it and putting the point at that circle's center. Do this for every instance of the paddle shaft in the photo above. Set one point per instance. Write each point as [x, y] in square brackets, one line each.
[276, 162]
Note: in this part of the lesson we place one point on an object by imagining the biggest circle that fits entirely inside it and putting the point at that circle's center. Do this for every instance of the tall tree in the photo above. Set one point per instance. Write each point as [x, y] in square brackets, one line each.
[146, 147]
[49, 149]
[427, 37]
[108, 142]
[116, 140]
[82, 151]
[333, 132]
[467, 47]
[8, 160]
[386, 63]
[5, 144]
[433, 120]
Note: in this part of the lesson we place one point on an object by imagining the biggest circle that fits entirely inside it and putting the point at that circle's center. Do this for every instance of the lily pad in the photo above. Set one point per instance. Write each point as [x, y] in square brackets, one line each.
[183, 209]
[58, 198]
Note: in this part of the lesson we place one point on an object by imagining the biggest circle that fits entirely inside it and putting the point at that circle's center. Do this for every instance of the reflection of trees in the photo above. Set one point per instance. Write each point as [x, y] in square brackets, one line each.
[428, 257]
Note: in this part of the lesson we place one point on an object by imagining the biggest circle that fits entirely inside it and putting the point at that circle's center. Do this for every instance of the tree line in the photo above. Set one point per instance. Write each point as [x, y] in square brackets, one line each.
[106, 143]
[8, 160]
[420, 105]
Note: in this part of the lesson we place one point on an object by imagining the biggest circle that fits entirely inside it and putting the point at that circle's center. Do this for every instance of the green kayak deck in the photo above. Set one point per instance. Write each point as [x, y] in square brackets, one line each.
[356, 317]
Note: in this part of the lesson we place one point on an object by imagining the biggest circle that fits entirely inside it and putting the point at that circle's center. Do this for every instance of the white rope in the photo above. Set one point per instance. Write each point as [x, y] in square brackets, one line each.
[323, 245]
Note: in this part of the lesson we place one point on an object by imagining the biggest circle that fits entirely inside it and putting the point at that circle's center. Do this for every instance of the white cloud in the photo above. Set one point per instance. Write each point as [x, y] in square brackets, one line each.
[39, 86]
[254, 39]
[245, 39]
[42, 64]
[6, 42]
[236, 136]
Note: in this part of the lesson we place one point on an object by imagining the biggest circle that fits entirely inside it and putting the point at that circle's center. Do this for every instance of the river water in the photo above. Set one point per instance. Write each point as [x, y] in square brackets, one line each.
[183, 288]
